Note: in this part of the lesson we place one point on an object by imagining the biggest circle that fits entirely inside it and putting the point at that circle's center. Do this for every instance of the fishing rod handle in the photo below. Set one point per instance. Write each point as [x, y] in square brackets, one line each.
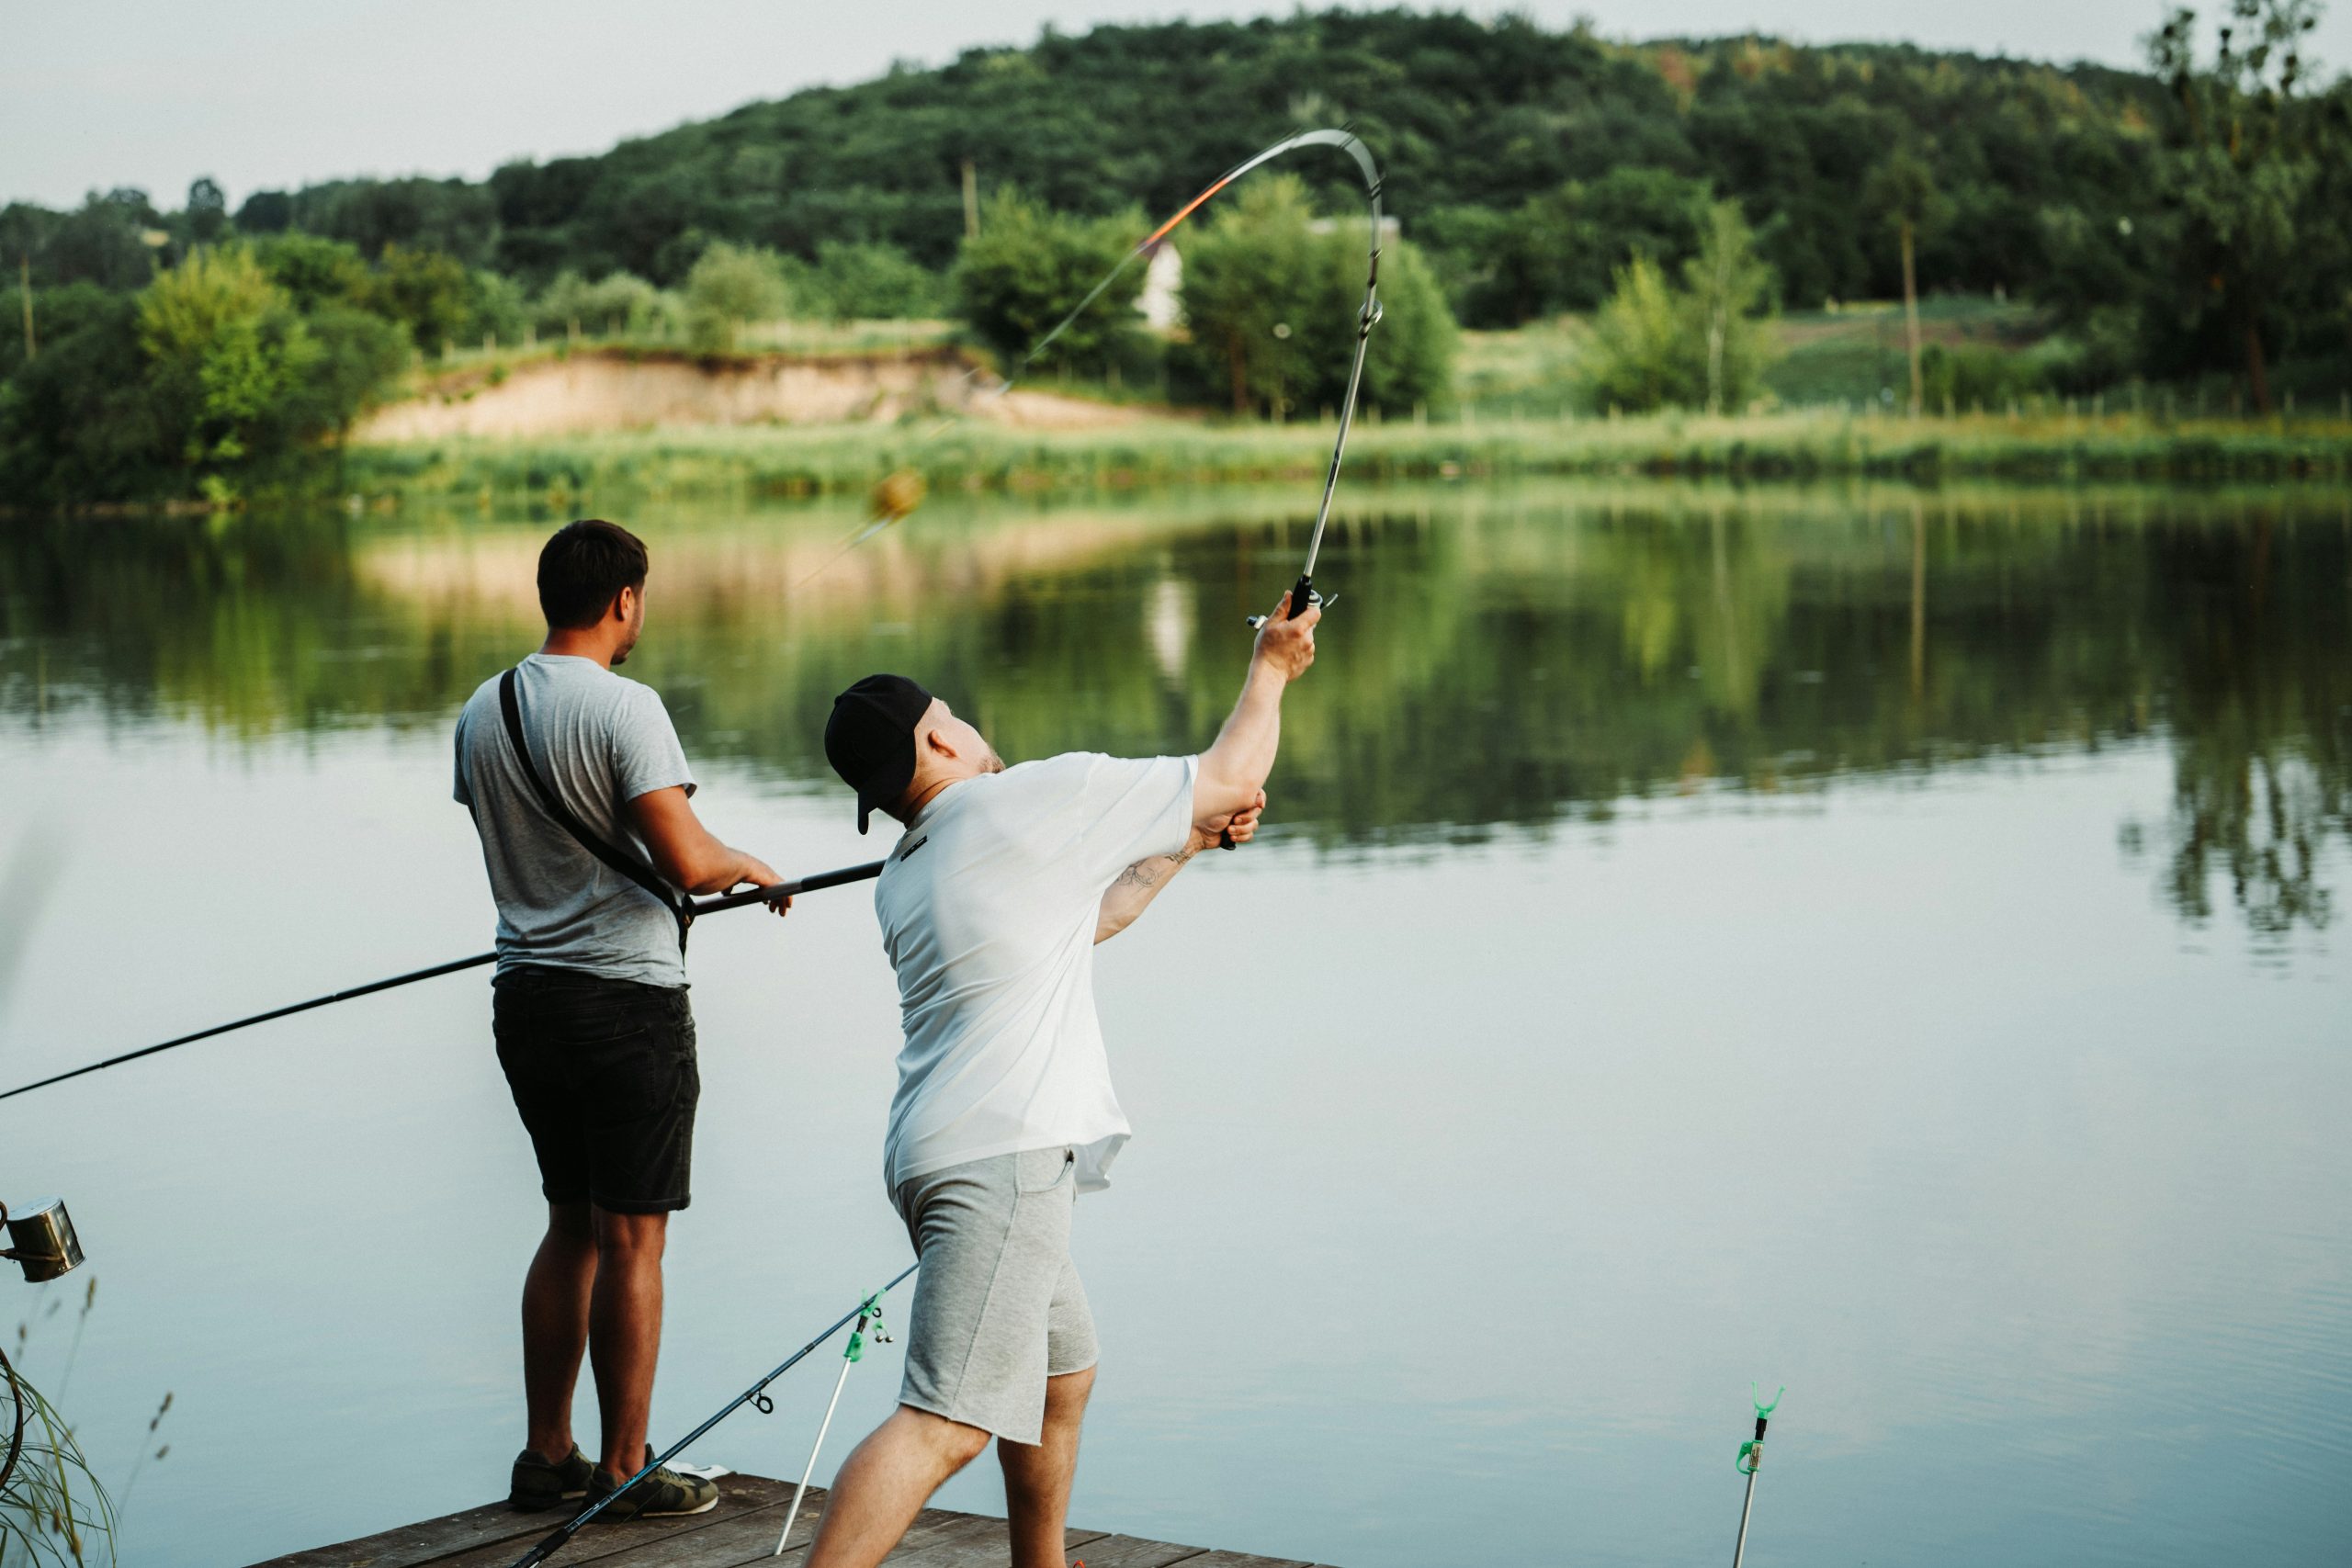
[815, 884]
[1302, 594]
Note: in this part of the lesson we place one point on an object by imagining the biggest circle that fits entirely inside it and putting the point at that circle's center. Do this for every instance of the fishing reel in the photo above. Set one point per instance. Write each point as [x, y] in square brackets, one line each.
[42, 1243]
[1315, 596]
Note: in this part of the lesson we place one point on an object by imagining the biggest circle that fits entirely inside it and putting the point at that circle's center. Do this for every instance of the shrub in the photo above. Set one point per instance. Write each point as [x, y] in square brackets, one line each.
[1029, 267]
[728, 286]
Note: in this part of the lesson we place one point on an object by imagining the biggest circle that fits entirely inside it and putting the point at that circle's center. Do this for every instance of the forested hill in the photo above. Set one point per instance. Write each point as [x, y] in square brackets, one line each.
[1473, 118]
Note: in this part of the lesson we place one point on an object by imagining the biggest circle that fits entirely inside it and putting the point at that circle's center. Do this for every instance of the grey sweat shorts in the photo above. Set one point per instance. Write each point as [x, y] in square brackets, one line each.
[999, 1307]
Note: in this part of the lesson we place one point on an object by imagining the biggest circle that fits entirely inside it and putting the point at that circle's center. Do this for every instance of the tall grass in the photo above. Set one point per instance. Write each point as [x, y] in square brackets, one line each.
[52, 1507]
[772, 461]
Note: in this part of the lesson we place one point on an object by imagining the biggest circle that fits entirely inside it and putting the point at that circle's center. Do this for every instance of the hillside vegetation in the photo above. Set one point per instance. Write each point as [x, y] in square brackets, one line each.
[2188, 227]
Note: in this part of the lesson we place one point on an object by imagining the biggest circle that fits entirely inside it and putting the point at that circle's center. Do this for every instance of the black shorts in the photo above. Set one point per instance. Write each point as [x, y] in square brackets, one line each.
[603, 1073]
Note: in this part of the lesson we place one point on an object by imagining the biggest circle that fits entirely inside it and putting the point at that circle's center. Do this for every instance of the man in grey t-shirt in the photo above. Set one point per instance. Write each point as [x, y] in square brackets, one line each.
[589, 842]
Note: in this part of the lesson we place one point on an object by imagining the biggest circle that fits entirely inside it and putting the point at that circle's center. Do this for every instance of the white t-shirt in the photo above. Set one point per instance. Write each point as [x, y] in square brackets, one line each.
[988, 906]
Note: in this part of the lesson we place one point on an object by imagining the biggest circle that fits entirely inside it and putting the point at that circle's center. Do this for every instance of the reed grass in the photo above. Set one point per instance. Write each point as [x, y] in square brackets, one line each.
[783, 461]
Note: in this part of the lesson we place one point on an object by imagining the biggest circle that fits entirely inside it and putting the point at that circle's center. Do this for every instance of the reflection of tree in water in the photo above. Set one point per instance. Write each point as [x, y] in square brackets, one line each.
[1500, 658]
[2258, 701]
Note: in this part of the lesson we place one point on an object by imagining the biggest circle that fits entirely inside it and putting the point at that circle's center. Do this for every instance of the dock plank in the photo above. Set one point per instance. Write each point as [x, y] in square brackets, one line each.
[751, 1538]
[988, 1547]
[739, 1496]
[428, 1540]
[1129, 1552]
[738, 1533]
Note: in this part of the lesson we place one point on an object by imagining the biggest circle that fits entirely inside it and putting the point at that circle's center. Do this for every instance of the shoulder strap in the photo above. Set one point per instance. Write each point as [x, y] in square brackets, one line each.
[628, 865]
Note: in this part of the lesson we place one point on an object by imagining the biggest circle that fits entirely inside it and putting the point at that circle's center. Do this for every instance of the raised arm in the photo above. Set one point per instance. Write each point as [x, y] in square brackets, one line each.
[1234, 770]
[687, 853]
[1140, 883]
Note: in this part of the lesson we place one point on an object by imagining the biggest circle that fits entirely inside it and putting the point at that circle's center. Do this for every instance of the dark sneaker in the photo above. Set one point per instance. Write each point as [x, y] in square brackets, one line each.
[538, 1485]
[664, 1495]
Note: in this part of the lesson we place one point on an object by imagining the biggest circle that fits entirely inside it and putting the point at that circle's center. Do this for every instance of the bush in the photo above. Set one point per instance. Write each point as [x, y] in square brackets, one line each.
[1640, 358]
[1965, 377]
[866, 282]
[617, 302]
[198, 383]
[729, 285]
[1271, 304]
[1701, 345]
[1029, 267]
[427, 291]
[226, 348]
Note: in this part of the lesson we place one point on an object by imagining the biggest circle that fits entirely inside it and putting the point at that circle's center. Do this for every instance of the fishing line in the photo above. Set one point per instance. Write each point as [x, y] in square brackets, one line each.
[756, 1394]
[892, 499]
[697, 908]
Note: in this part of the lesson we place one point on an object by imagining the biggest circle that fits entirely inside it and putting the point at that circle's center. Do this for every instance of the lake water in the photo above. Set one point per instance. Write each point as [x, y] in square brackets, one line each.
[1886, 943]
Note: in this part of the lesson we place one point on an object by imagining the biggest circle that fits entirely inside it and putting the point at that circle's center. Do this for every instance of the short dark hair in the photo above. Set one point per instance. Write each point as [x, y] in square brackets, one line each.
[583, 568]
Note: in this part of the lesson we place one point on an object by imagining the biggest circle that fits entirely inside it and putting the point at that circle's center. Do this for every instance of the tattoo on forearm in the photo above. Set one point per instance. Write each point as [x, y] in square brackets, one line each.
[1147, 873]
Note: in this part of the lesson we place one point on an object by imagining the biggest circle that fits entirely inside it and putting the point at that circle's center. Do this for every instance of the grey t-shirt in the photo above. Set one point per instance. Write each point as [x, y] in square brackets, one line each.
[599, 740]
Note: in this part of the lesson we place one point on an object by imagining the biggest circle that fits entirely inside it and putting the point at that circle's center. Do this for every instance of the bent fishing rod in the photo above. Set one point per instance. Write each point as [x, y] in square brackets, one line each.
[552, 1543]
[901, 491]
[697, 909]
[1303, 593]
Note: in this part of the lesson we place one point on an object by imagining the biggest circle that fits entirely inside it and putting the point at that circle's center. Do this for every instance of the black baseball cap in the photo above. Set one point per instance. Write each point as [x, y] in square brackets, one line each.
[870, 738]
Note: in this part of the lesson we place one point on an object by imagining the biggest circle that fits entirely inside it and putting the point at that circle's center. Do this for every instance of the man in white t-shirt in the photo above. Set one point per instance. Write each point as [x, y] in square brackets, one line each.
[992, 904]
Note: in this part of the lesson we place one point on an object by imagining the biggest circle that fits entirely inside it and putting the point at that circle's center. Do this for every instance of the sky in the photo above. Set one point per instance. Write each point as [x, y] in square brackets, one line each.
[275, 93]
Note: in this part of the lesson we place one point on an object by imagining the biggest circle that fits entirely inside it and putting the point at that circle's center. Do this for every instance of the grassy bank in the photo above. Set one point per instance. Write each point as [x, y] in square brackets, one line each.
[832, 460]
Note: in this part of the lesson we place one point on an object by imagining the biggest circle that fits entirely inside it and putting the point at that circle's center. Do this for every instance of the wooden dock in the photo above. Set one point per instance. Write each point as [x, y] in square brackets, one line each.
[740, 1531]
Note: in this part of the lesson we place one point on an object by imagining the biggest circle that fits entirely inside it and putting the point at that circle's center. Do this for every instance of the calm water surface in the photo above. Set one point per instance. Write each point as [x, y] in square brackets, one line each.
[1890, 945]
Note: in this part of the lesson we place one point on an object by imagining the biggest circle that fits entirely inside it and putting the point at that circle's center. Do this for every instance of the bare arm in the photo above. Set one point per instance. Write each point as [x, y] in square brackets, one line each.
[686, 852]
[1140, 883]
[1232, 770]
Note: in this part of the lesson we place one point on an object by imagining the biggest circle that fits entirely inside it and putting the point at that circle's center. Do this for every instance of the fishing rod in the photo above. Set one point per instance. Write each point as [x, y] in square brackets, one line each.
[756, 1394]
[900, 492]
[697, 909]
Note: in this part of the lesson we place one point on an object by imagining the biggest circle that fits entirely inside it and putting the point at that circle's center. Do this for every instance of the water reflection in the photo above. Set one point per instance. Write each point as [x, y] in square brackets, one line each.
[1500, 660]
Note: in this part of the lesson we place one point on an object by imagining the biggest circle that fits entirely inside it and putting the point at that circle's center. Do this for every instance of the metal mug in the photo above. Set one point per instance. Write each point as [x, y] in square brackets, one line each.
[42, 1240]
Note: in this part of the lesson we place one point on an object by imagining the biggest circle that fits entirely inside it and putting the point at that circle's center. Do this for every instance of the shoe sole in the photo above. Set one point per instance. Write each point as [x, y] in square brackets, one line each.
[662, 1512]
[542, 1503]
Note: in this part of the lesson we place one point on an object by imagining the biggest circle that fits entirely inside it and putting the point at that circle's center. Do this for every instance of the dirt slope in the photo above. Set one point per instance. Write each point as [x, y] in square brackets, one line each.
[616, 390]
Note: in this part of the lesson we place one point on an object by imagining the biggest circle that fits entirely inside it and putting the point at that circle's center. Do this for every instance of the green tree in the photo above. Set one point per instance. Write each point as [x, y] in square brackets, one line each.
[1902, 190]
[1561, 249]
[1029, 267]
[1272, 297]
[496, 307]
[617, 302]
[207, 213]
[312, 269]
[2240, 168]
[850, 281]
[226, 349]
[360, 357]
[728, 286]
[1253, 279]
[429, 292]
[1640, 357]
[1410, 364]
[79, 421]
[1726, 285]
